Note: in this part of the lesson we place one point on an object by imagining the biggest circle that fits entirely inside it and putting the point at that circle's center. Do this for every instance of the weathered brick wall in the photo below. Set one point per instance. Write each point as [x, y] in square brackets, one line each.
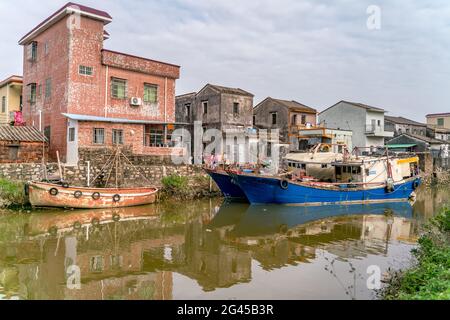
[152, 168]
[28, 152]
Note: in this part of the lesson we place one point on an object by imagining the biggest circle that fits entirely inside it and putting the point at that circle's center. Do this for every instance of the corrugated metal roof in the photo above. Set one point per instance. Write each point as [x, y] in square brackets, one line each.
[82, 117]
[401, 146]
[25, 134]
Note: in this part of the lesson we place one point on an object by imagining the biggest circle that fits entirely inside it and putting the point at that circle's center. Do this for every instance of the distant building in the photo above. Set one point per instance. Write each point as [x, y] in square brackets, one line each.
[366, 122]
[419, 143]
[217, 107]
[439, 120]
[228, 110]
[287, 116]
[11, 99]
[438, 126]
[400, 125]
[84, 96]
[337, 138]
[22, 145]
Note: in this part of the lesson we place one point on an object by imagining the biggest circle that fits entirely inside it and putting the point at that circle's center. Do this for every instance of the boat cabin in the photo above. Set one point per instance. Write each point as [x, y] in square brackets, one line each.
[375, 170]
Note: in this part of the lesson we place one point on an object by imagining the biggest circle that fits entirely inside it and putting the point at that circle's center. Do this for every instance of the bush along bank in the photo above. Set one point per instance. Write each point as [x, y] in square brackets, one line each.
[184, 188]
[429, 279]
[12, 194]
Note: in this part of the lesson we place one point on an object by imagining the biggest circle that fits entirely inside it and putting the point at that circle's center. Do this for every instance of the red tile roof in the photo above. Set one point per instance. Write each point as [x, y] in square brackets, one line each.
[71, 5]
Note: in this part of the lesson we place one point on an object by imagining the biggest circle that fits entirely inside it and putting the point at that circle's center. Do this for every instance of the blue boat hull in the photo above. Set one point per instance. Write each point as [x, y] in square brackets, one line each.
[264, 190]
[229, 188]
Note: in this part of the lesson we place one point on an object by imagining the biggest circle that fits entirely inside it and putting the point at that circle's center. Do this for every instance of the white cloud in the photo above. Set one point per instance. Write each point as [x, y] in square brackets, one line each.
[316, 52]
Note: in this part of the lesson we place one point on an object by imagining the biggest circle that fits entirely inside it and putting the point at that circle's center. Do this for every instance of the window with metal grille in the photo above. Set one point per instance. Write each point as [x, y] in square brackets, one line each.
[86, 71]
[99, 136]
[48, 88]
[150, 93]
[440, 122]
[119, 88]
[154, 136]
[32, 93]
[117, 136]
[71, 134]
[3, 104]
[32, 51]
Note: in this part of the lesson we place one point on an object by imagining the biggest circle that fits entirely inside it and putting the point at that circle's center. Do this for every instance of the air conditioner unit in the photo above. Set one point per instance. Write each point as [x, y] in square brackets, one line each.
[136, 101]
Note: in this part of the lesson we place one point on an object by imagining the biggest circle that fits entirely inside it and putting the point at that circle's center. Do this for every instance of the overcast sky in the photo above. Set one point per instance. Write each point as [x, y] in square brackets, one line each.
[316, 52]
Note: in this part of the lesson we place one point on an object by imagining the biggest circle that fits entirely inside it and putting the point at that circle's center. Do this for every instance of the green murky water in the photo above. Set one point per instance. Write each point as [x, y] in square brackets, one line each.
[208, 250]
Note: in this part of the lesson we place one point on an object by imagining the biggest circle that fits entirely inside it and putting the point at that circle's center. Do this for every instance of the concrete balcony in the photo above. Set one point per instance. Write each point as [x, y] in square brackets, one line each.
[377, 131]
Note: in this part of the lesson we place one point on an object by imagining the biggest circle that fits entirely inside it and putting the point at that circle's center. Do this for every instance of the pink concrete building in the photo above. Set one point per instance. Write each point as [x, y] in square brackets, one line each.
[84, 96]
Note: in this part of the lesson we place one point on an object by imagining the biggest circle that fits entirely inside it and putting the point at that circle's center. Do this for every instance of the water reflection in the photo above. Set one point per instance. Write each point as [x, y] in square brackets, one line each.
[206, 249]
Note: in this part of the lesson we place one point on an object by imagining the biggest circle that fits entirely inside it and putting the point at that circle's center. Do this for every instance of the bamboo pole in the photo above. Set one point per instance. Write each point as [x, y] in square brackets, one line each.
[59, 166]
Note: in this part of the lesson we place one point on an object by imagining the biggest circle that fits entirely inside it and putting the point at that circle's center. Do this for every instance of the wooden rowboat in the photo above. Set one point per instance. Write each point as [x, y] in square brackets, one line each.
[43, 194]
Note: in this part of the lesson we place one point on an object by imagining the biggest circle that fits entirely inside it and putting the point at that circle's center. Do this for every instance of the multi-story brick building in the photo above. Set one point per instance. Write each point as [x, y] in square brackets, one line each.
[82, 95]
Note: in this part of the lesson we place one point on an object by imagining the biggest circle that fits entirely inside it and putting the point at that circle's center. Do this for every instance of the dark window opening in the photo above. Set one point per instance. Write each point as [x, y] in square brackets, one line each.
[274, 118]
[205, 107]
[47, 133]
[236, 108]
[303, 119]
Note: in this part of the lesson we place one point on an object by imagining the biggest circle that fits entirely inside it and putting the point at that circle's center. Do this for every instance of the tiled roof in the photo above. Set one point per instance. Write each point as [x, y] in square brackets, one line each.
[66, 9]
[18, 79]
[438, 115]
[25, 134]
[294, 105]
[401, 120]
[360, 105]
[423, 138]
[228, 90]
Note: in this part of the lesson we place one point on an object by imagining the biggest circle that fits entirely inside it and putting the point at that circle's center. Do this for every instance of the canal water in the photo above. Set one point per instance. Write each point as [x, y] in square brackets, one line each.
[209, 250]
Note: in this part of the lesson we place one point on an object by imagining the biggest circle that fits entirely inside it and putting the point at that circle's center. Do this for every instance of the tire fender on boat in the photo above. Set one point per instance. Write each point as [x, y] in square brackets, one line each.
[284, 184]
[116, 217]
[77, 194]
[96, 195]
[415, 184]
[53, 191]
[116, 198]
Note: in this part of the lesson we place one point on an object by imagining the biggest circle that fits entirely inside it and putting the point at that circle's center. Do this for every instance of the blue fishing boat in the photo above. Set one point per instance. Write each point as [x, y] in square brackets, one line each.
[227, 185]
[359, 181]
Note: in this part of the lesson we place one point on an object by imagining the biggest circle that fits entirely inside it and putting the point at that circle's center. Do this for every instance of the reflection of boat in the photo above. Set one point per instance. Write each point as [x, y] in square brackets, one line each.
[226, 184]
[52, 195]
[270, 219]
[53, 222]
